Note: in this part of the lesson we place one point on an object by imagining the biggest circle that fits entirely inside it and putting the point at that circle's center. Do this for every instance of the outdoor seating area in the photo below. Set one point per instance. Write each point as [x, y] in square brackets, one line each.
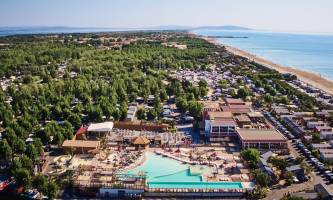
[122, 136]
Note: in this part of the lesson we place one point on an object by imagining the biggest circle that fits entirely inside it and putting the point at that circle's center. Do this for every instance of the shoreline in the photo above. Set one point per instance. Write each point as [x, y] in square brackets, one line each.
[312, 78]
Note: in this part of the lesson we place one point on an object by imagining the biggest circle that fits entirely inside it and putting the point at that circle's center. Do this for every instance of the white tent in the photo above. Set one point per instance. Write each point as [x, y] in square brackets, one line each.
[101, 127]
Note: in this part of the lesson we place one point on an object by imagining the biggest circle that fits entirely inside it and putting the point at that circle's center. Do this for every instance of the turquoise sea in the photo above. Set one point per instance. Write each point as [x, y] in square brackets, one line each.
[311, 52]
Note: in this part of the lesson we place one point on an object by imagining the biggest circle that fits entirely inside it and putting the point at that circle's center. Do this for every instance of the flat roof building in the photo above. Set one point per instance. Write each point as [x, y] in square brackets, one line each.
[99, 130]
[80, 146]
[232, 101]
[321, 146]
[261, 139]
[243, 121]
[217, 130]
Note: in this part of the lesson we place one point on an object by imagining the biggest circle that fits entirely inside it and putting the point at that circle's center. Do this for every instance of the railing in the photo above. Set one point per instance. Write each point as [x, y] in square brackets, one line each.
[195, 190]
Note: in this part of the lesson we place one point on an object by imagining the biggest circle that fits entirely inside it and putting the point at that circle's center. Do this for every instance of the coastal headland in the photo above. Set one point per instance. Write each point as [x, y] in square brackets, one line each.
[312, 78]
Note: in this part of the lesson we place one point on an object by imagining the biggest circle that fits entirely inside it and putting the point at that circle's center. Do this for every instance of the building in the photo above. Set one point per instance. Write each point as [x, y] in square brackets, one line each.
[218, 115]
[232, 101]
[323, 128]
[314, 124]
[280, 110]
[296, 129]
[264, 165]
[256, 117]
[217, 130]
[262, 139]
[326, 135]
[131, 113]
[80, 146]
[321, 146]
[323, 114]
[243, 121]
[99, 130]
[326, 154]
[297, 170]
[324, 191]
[219, 125]
[237, 109]
[140, 126]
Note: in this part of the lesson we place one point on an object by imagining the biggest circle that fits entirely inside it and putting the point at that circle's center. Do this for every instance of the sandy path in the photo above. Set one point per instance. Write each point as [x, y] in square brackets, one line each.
[311, 78]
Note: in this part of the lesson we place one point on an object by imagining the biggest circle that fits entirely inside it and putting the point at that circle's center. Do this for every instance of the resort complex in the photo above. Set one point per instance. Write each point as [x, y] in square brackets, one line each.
[131, 115]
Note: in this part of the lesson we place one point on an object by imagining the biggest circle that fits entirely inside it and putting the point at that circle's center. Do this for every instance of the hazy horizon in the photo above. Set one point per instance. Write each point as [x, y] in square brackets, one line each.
[284, 16]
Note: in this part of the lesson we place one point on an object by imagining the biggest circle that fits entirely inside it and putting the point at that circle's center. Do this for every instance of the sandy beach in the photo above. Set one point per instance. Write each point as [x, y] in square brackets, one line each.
[311, 78]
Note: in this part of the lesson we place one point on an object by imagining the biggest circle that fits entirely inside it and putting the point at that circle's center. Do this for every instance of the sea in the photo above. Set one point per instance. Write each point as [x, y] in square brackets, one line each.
[310, 52]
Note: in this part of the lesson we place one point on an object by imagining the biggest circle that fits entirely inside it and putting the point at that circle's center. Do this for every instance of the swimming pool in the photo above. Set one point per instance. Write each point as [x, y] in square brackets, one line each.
[196, 185]
[163, 172]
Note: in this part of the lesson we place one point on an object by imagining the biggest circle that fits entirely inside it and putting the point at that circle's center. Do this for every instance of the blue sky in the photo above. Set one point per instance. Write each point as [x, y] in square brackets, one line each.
[276, 15]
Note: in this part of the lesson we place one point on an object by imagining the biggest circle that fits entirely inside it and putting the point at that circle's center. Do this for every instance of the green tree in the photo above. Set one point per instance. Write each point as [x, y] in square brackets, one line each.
[262, 179]
[31, 152]
[26, 162]
[38, 145]
[75, 120]
[292, 198]
[19, 146]
[243, 93]
[195, 109]
[15, 165]
[181, 104]
[223, 84]
[280, 163]
[68, 130]
[163, 94]
[5, 151]
[40, 183]
[58, 139]
[52, 190]
[316, 138]
[289, 177]
[251, 156]
[23, 177]
[151, 115]
[258, 193]
[10, 136]
[141, 114]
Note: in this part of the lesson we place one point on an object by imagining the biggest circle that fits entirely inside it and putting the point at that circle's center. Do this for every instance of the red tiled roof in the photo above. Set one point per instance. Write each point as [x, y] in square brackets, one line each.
[82, 130]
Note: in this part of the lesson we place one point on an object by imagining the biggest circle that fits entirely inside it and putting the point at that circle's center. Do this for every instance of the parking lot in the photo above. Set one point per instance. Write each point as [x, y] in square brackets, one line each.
[320, 170]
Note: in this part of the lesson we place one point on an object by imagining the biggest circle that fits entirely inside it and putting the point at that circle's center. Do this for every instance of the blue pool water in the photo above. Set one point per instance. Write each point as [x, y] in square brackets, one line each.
[302, 51]
[158, 168]
[196, 185]
[164, 172]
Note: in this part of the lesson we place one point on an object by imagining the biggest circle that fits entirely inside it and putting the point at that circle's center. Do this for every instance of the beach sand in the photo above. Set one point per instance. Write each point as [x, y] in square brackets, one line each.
[312, 78]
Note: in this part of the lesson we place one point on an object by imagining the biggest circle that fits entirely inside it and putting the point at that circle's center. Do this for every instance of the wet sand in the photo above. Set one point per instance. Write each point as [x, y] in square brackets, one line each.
[312, 78]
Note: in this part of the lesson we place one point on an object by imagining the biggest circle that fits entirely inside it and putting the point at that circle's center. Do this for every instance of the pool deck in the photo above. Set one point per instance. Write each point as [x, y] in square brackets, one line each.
[182, 187]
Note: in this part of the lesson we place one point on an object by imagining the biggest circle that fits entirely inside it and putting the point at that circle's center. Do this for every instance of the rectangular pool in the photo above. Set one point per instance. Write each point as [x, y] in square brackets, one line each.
[196, 185]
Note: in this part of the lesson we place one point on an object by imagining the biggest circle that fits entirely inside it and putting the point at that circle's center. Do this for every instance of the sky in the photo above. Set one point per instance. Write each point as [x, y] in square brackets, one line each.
[274, 15]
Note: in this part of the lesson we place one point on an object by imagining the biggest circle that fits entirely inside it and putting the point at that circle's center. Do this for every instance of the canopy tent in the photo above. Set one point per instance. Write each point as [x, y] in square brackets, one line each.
[141, 141]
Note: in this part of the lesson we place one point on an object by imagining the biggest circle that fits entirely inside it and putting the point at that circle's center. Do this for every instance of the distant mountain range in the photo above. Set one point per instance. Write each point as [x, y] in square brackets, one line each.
[65, 29]
[224, 27]
[175, 27]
